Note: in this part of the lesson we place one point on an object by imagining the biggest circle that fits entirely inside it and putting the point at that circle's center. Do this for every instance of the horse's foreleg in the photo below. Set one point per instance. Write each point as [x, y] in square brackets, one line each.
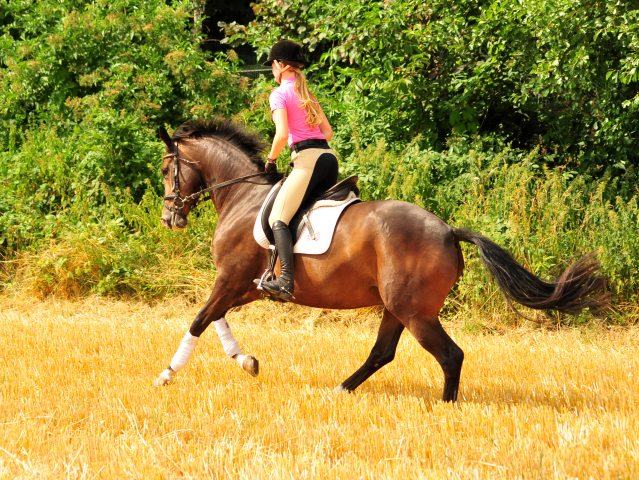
[383, 352]
[216, 307]
[179, 361]
[232, 348]
[230, 345]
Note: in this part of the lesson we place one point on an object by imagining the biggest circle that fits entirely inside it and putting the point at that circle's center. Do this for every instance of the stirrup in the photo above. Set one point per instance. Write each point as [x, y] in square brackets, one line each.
[281, 293]
[269, 276]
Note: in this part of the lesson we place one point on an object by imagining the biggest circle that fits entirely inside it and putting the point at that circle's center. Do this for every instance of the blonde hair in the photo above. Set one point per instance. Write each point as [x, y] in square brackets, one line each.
[309, 101]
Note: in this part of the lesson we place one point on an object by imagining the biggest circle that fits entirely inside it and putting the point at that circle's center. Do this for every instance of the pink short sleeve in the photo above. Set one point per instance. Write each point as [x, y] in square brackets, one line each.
[285, 97]
[277, 99]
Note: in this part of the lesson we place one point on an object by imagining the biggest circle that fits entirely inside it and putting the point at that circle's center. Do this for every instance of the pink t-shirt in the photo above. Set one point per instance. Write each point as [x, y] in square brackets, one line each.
[285, 97]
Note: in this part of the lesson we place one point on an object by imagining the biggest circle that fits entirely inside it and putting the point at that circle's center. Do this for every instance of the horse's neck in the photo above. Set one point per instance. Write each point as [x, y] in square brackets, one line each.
[226, 162]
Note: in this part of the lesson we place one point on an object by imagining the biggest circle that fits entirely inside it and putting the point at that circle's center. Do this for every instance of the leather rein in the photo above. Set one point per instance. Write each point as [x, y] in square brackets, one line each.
[193, 199]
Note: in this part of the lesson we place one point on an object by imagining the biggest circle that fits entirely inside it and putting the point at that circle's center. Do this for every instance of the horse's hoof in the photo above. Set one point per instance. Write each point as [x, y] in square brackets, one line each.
[251, 365]
[340, 389]
[165, 378]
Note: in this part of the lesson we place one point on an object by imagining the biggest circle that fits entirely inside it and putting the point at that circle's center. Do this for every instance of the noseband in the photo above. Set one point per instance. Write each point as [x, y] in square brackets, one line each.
[193, 199]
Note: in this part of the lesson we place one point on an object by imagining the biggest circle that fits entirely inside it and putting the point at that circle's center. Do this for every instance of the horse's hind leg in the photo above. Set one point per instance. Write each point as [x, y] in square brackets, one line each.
[383, 352]
[430, 334]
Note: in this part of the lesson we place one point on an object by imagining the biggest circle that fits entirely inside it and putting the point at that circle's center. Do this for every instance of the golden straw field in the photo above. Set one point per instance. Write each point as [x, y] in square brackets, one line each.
[77, 401]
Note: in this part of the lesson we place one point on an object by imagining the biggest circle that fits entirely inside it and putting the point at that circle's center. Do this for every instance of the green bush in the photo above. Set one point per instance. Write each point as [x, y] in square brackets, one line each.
[546, 218]
[84, 88]
[437, 181]
[562, 74]
[64, 60]
[118, 249]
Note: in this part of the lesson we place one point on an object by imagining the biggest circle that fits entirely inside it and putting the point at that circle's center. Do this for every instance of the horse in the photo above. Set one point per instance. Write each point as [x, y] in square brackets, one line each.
[384, 253]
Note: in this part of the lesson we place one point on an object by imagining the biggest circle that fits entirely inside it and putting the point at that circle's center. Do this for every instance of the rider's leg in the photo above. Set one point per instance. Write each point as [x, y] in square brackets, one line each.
[286, 204]
[283, 286]
[313, 168]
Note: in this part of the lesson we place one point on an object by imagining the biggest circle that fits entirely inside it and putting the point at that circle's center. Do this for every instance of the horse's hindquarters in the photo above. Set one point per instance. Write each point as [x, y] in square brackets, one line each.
[384, 252]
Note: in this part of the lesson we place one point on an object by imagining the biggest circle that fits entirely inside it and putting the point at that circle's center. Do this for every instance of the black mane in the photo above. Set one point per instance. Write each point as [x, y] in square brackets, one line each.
[236, 134]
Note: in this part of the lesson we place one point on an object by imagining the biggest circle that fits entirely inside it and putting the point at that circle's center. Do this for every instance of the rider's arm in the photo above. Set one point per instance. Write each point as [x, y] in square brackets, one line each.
[281, 132]
[325, 127]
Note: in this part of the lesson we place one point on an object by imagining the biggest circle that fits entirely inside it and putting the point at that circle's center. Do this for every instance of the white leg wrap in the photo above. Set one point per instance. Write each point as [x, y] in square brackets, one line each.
[229, 344]
[184, 353]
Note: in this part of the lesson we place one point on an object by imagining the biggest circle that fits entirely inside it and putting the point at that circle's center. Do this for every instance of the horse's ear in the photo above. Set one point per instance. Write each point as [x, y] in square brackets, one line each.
[165, 137]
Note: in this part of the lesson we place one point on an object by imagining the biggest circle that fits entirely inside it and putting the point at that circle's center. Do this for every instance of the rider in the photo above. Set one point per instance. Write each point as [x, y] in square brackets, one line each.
[300, 121]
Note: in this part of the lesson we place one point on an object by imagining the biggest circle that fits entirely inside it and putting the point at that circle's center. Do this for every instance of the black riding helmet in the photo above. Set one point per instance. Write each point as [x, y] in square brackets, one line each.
[288, 51]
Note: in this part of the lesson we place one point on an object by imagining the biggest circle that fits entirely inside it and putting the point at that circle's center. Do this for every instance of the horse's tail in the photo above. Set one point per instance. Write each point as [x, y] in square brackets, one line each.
[568, 293]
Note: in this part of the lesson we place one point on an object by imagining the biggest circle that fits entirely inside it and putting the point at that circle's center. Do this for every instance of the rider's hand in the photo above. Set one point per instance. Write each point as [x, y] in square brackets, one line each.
[271, 167]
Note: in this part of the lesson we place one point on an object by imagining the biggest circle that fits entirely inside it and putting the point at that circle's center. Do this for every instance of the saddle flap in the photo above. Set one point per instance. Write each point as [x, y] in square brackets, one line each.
[338, 192]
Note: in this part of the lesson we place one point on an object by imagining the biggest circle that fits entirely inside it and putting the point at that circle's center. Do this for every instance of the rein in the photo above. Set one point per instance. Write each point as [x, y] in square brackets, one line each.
[194, 198]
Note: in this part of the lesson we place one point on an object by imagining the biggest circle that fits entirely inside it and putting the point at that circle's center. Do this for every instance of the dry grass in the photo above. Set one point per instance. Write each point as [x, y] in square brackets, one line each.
[76, 399]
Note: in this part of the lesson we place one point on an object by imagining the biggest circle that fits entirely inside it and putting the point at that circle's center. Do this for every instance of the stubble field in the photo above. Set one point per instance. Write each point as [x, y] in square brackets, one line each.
[77, 401]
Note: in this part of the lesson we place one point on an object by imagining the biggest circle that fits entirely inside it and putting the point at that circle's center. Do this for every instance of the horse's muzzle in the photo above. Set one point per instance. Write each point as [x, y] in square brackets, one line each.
[173, 221]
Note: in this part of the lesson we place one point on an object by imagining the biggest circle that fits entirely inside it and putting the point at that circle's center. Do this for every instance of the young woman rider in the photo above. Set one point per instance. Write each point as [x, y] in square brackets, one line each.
[300, 122]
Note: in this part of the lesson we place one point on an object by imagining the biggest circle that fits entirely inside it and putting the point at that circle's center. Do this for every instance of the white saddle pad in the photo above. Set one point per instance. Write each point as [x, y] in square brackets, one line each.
[323, 218]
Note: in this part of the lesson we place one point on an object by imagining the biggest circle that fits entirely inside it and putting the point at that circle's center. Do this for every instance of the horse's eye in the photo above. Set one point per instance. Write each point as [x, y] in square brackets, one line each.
[165, 171]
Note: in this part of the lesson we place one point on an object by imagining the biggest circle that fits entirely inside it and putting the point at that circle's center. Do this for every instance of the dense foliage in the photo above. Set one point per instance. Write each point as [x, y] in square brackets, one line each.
[562, 74]
[84, 87]
[517, 119]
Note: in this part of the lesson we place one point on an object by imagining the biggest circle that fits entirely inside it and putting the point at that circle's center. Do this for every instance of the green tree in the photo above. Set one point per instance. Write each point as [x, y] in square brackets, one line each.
[84, 87]
[560, 73]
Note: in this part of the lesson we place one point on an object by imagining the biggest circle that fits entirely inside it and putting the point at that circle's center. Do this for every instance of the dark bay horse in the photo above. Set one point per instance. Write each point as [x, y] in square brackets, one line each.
[388, 253]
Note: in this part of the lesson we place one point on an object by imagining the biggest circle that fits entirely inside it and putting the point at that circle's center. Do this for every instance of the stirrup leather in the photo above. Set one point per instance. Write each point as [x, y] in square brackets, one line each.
[269, 273]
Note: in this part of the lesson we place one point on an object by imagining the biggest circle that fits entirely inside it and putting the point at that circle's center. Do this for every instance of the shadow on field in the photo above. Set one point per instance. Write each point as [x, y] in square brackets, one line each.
[473, 392]
[427, 391]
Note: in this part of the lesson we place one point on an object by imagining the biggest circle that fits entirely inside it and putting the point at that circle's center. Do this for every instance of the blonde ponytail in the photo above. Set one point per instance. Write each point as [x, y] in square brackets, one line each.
[309, 102]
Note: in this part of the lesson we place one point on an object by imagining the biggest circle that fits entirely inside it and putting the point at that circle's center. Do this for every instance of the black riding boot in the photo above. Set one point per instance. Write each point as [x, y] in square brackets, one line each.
[282, 287]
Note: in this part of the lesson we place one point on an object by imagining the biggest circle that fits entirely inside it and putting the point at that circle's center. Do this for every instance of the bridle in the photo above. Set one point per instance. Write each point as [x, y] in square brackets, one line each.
[193, 199]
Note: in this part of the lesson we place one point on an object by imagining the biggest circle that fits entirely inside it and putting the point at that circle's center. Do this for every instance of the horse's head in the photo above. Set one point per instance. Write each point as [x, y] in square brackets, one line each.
[181, 182]
[212, 154]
